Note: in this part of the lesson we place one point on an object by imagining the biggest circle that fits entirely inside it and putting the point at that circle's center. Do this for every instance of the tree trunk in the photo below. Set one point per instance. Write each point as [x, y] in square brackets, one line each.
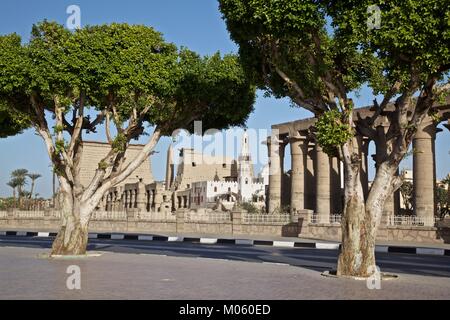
[357, 256]
[32, 189]
[361, 220]
[72, 238]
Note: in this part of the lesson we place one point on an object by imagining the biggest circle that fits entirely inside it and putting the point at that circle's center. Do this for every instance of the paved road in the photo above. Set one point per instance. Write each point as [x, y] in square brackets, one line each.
[314, 259]
[161, 270]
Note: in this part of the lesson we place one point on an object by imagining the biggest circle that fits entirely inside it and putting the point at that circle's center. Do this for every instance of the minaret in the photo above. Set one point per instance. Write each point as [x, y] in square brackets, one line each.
[245, 173]
[169, 168]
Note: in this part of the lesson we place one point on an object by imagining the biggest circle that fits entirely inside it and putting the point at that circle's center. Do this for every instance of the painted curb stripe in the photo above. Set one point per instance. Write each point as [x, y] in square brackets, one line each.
[145, 237]
[175, 239]
[208, 240]
[329, 246]
[131, 237]
[43, 234]
[430, 251]
[103, 236]
[382, 249]
[304, 245]
[286, 244]
[245, 242]
[402, 250]
[262, 243]
[160, 238]
[226, 241]
[283, 244]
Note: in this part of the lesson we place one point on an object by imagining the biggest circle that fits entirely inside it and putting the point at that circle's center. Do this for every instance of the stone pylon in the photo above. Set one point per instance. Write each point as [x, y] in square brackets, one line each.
[169, 168]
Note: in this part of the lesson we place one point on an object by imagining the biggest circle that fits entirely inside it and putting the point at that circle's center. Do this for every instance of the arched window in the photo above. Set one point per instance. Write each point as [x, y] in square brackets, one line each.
[215, 189]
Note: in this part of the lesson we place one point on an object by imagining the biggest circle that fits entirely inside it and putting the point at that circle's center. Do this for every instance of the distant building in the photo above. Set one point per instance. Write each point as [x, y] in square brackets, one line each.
[200, 181]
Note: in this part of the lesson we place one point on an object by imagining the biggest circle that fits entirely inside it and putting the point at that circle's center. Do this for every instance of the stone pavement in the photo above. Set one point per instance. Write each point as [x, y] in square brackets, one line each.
[135, 276]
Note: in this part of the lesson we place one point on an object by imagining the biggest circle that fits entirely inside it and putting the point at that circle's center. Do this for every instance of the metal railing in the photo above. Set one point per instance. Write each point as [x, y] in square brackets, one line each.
[212, 217]
[19, 214]
[3, 214]
[411, 221]
[109, 215]
[157, 216]
[335, 218]
[266, 218]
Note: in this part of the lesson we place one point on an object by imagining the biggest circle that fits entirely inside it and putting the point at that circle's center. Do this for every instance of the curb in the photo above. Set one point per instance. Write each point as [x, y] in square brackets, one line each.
[239, 242]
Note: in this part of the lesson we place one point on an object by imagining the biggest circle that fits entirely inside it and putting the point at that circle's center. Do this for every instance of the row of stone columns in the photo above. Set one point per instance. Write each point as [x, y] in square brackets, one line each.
[313, 175]
[316, 178]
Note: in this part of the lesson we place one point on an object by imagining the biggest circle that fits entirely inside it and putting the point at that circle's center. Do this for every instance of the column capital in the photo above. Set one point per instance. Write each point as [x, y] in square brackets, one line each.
[426, 130]
[298, 144]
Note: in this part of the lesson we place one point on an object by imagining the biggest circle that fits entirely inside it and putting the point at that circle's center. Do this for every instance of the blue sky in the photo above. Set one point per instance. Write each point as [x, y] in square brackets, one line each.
[196, 24]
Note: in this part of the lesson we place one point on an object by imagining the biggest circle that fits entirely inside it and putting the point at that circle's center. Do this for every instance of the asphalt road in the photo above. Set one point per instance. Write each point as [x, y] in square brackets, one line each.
[317, 260]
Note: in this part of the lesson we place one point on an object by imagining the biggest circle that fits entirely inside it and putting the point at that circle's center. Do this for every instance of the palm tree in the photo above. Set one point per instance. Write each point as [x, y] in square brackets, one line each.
[13, 185]
[33, 177]
[20, 176]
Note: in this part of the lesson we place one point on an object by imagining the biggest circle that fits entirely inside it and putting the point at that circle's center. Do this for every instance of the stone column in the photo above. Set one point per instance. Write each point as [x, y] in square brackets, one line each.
[322, 174]
[275, 174]
[336, 190]
[310, 182]
[141, 197]
[298, 154]
[424, 171]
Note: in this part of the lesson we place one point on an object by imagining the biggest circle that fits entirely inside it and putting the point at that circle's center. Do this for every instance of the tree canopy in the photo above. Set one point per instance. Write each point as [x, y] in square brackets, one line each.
[126, 78]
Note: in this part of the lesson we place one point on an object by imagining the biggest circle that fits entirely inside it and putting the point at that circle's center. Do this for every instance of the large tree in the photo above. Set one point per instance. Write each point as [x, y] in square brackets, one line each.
[125, 78]
[317, 53]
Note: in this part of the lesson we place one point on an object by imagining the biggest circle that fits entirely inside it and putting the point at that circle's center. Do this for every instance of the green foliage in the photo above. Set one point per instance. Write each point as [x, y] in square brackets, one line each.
[413, 35]
[102, 165]
[120, 142]
[126, 68]
[11, 121]
[58, 129]
[332, 131]
[249, 207]
[292, 35]
[60, 145]
[435, 117]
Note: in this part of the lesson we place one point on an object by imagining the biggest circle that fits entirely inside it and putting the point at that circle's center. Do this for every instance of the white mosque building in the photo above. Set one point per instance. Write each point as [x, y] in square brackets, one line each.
[243, 188]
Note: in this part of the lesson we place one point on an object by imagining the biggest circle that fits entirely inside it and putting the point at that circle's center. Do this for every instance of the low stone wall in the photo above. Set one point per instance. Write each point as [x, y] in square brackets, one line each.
[275, 229]
[133, 224]
[400, 233]
[233, 224]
